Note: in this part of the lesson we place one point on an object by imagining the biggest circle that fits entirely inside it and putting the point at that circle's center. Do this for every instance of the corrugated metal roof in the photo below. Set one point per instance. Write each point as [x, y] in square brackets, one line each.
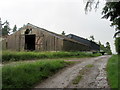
[84, 41]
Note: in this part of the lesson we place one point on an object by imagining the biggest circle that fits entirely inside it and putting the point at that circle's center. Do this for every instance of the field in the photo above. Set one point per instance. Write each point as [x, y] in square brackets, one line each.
[16, 56]
[112, 71]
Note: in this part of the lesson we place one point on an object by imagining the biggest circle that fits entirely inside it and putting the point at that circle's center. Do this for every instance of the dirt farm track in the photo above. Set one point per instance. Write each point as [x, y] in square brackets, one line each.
[92, 71]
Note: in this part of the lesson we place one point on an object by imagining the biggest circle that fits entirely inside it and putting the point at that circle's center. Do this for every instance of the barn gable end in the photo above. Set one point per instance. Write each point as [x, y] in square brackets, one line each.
[44, 40]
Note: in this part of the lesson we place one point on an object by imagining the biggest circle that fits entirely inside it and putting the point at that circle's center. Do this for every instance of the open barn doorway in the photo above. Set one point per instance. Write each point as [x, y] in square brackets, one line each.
[30, 42]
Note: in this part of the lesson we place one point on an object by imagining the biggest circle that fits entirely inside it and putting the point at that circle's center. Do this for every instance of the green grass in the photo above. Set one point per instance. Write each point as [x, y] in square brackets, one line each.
[77, 79]
[0, 78]
[112, 71]
[89, 65]
[16, 56]
[81, 73]
[25, 75]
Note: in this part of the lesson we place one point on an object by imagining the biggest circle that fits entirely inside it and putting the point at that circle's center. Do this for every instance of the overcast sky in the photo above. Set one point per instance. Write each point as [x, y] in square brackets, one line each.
[58, 16]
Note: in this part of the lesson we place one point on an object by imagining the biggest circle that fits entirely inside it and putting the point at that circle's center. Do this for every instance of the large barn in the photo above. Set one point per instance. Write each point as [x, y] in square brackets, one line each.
[31, 37]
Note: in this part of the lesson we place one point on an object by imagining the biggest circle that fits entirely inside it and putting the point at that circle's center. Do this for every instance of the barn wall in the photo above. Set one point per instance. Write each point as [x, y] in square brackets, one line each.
[95, 46]
[15, 41]
[11, 44]
[73, 46]
[44, 41]
[4, 44]
[91, 44]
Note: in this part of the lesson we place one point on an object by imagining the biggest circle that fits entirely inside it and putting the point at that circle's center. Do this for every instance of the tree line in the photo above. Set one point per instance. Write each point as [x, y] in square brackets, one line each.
[103, 48]
[5, 28]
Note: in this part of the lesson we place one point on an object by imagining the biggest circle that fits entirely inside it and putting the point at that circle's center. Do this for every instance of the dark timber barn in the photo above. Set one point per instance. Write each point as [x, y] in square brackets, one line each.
[93, 46]
[31, 37]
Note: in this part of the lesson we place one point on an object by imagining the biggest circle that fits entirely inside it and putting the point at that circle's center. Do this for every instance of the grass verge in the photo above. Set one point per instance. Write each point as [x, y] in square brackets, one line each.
[81, 73]
[112, 71]
[26, 75]
[16, 56]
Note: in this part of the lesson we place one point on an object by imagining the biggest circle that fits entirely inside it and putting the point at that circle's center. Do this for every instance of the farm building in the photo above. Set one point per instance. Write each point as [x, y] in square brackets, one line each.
[31, 37]
[93, 46]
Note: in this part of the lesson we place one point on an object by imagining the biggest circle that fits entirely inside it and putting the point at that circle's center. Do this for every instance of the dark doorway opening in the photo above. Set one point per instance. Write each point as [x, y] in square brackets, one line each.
[30, 42]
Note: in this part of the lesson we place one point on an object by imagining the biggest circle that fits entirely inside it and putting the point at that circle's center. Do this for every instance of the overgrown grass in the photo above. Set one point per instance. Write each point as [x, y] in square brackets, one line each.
[15, 56]
[112, 71]
[25, 75]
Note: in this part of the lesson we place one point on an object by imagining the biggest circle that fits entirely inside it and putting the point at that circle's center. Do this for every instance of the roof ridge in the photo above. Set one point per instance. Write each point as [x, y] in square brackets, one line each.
[78, 36]
[58, 35]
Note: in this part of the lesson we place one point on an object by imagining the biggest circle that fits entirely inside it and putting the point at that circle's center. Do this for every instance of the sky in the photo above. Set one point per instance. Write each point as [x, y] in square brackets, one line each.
[58, 16]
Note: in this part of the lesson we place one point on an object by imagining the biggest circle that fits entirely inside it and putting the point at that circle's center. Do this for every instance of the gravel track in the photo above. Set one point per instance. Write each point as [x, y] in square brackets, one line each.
[94, 78]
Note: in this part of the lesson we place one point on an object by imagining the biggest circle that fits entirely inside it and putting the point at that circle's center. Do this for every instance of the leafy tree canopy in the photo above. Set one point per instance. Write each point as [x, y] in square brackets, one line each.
[6, 29]
[92, 38]
[106, 49]
[111, 11]
[15, 28]
[63, 33]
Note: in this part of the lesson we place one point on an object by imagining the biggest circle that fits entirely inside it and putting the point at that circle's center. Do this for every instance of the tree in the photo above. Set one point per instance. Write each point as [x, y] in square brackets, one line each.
[63, 33]
[99, 43]
[89, 5]
[108, 49]
[92, 38]
[102, 47]
[117, 33]
[111, 11]
[14, 28]
[117, 44]
[6, 29]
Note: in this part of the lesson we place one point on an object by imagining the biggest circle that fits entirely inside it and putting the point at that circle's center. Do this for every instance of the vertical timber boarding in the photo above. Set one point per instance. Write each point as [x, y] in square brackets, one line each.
[22, 42]
[39, 41]
[44, 41]
[73, 46]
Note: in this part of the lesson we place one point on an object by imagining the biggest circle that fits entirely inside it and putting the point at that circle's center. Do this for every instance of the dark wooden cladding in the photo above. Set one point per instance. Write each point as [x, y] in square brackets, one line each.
[93, 46]
[44, 41]
[71, 46]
